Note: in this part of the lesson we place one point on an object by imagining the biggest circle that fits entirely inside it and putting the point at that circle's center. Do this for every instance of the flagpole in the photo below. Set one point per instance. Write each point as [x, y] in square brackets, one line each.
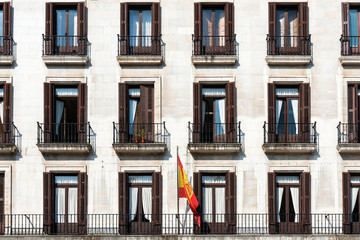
[177, 186]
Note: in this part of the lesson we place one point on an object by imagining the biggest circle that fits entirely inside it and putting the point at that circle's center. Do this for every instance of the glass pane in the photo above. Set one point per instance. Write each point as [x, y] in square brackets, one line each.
[280, 116]
[72, 27]
[287, 91]
[66, 91]
[355, 179]
[219, 27]
[134, 27]
[1, 27]
[140, 179]
[213, 179]
[60, 27]
[1, 92]
[220, 204]
[134, 92]
[146, 28]
[287, 179]
[59, 204]
[207, 30]
[280, 27]
[213, 92]
[293, 116]
[66, 179]
[293, 28]
[219, 116]
[207, 204]
[354, 28]
[72, 205]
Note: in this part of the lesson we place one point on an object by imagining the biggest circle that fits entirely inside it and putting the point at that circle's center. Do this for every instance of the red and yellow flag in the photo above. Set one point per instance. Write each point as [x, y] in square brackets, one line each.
[186, 191]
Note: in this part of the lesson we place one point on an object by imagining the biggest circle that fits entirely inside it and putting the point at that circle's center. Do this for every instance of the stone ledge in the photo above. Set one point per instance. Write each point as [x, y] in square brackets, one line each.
[215, 147]
[64, 148]
[140, 60]
[140, 148]
[6, 60]
[350, 60]
[210, 60]
[289, 147]
[8, 148]
[348, 147]
[288, 60]
[65, 60]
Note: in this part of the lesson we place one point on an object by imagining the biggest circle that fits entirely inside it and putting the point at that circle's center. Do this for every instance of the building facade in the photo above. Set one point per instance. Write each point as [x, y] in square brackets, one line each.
[259, 99]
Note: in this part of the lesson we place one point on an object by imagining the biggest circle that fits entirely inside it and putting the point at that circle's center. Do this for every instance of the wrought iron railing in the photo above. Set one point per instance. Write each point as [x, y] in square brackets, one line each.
[214, 45]
[288, 45]
[290, 132]
[139, 45]
[214, 132]
[169, 224]
[348, 132]
[350, 45]
[8, 133]
[64, 45]
[140, 133]
[6, 45]
[64, 133]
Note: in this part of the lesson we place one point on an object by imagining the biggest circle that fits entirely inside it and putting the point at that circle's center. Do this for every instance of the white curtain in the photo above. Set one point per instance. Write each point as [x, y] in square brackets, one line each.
[295, 106]
[132, 115]
[147, 202]
[294, 27]
[59, 113]
[280, 28]
[354, 195]
[295, 200]
[220, 116]
[220, 31]
[203, 108]
[1, 26]
[1, 111]
[279, 106]
[207, 204]
[146, 28]
[134, 28]
[59, 205]
[279, 194]
[72, 205]
[206, 27]
[220, 204]
[133, 202]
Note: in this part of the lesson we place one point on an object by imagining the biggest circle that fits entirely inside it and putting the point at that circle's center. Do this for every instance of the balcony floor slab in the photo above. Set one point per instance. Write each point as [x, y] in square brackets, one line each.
[6, 60]
[140, 60]
[350, 60]
[211, 60]
[348, 147]
[289, 147]
[288, 60]
[139, 148]
[215, 147]
[65, 60]
[8, 148]
[64, 148]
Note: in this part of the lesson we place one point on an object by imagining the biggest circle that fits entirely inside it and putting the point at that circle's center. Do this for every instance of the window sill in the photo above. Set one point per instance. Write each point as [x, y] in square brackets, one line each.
[288, 60]
[348, 147]
[289, 147]
[64, 60]
[140, 60]
[6, 60]
[215, 147]
[350, 60]
[139, 148]
[64, 148]
[211, 60]
[8, 148]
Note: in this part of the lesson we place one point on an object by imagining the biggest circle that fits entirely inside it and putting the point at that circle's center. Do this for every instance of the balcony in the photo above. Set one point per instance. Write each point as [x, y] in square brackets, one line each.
[139, 50]
[214, 138]
[6, 51]
[348, 137]
[288, 50]
[64, 138]
[290, 138]
[8, 138]
[214, 50]
[350, 50]
[140, 138]
[65, 50]
[247, 225]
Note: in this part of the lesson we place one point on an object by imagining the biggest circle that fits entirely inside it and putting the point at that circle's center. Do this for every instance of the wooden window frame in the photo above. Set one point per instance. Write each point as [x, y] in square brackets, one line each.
[67, 47]
[140, 47]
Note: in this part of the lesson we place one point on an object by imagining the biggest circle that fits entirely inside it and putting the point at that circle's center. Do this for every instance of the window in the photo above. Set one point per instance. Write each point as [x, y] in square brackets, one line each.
[214, 29]
[353, 113]
[136, 112]
[2, 203]
[289, 203]
[289, 108]
[5, 29]
[216, 196]
[351, 185]
[6, 113]
[65, 113]
[65, 31]
[140, 29]
[288, 29]
[214, 113]
[65, 203]
[350, 28]
[140, 203]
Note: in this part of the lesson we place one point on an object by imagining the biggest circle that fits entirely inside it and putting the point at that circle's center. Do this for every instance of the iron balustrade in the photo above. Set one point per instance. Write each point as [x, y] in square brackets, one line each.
[350, 45]
[64, 45]
[348, 132]
[139, 45]
[64, 133]
[6, 45]
[169, 224]
[140, 133]
[290, 132]
[8, 133]
[214, 45]
[288, 45]
[214, 132]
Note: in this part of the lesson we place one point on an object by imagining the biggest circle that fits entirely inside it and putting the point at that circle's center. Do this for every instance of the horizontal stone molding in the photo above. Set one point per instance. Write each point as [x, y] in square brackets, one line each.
[211, 60]
[142, 60]
[139, 148]
[348, 147]
[288, 60]
[64, 148]
[64, 60]
[289, 147]
[6, 60]
[215, 147]
[350, 60]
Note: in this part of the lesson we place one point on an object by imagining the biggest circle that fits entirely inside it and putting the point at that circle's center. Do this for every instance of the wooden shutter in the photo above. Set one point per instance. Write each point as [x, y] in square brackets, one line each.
[123, 203]
[124, 31]
[123, 90]
[49, 29]
[48, 202]
[229, 28]
[82, 124]
[7, 113]
[305, 202]
[7, 19]
[48, 110]
[197, 28]
[2, 203]
[197, 113]
[156, 202]
[271, 134]
[231, 202]
[305, 127]
[197, 191]
[272, 201]
[147, 112]
[156, 32]
[272, 28]
[81, 13]
[304, 18]
[353, 119]
[230, 112]
[82, 202]
[345, 13]
[346, 202]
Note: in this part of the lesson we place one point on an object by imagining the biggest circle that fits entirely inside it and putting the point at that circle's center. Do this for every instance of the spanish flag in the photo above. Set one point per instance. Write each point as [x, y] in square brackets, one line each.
[185, 191]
